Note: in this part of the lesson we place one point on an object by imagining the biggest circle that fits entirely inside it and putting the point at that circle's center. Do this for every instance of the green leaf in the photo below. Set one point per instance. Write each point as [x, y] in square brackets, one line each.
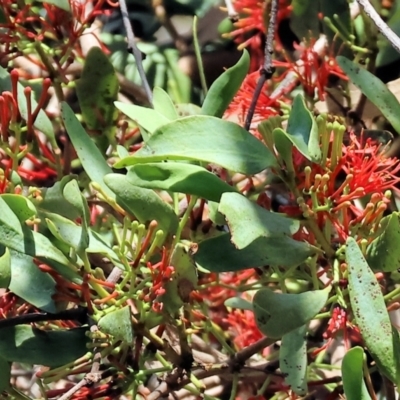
[179, 177]
[42, 122]
[352, 375]
[239, 303]
[5, 268]
[97, 89]
[21, 239]
[224, 88]
[248, 221]
[163, 104]
[374, 89]
[387, 54]
[31, 284]
[67, 231]
[302, 130]
[25, 344]
[218, 254]
[147, 118]
[208, 139]
[22, 207]
[73, 195]
[92, 160]
[182, 282]
[370, 314]
[143, 203]
[5, 376]
[55, 202]
[293, 359]
[383, 253]
[118, 324]
[297, 309]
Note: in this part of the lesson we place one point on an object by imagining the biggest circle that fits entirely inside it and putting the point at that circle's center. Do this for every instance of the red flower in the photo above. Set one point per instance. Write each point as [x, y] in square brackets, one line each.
[265, 107]
[312, 69]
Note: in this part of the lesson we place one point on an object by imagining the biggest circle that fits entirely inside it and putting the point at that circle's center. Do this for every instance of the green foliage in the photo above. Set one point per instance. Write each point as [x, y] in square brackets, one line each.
[298, 309]
[206, 139]
[370, 313]
[352, 372]
[374, 89]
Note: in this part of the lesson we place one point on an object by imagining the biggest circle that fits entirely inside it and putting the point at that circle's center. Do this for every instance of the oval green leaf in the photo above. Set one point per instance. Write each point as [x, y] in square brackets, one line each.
[92, 160]
[224, 88]
[374, 89]
[179, 177]
[25, 344]
[22, 207]
[302, 130]
[118, 324]
[293, 359]
[143, 203]
[97, 89]
[5, 268]
[163, 104]
[219, 254]
[370, 313]
[207, 139]
[297, 309]
[31, 284]
[352, 374]
[248, 221]
[383, 253]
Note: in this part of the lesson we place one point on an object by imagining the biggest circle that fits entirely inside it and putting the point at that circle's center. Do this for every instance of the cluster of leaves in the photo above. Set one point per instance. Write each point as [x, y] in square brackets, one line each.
[171, 243]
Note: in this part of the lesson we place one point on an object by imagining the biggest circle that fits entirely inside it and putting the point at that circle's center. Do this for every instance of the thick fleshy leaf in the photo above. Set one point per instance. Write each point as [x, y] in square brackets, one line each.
[374, 89]
[240, 303]
[248, 221]
[302, 130]
[143, 203]
[5, 268]
[23, 240]
[31, 284]
[179, 177]
[5, 368]
[219, 254]
[225, 87]
[22, 207]
[92, 160]
[208, 139]
[298, 309]
[383, 253]
[147, 118]
[352, 375]
[370, 313]
[25, 344]
[183, 281]
[163, 104]
[118, 324]
[42, 122]
[293, 359]
[97, 89]
[55, 202]
[66, 231]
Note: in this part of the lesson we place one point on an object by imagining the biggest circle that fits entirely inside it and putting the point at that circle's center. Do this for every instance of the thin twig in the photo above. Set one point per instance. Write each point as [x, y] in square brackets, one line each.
[232, 13]
[380, 24]
[75, 314]
[132, 48]
[267, 70]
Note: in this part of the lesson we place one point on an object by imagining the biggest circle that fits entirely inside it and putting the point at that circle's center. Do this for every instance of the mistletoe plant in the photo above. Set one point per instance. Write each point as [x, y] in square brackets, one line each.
[145, 250]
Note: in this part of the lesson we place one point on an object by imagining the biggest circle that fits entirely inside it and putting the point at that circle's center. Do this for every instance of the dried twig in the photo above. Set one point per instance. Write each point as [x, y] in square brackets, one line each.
[380, 24]
[132, 48]
[267, 70]
[232, 13]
